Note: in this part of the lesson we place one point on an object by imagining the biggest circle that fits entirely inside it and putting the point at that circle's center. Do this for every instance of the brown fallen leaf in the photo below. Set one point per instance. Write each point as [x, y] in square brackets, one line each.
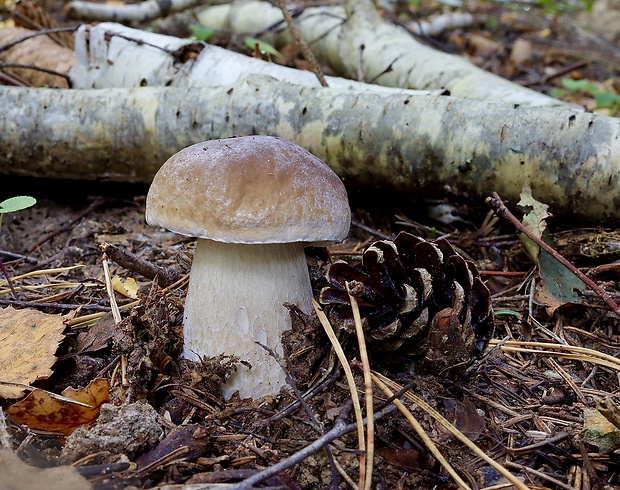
[28, 341]
[17, 475]
[29, 14]
[40, 51]
[98, 336]
[39, 410]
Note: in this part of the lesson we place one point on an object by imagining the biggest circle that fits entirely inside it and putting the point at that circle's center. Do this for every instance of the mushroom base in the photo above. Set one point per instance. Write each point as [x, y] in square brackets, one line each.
[235, 299]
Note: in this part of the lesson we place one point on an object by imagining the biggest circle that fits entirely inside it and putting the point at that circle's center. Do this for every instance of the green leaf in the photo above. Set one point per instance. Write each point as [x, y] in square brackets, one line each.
[200, 32]
[16, 204]
[263, 47]
[558, 281]
[580, 85]
[606, 99]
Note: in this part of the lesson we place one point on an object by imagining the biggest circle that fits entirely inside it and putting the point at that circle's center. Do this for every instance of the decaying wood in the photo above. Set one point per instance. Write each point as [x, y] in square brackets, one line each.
[429, 145]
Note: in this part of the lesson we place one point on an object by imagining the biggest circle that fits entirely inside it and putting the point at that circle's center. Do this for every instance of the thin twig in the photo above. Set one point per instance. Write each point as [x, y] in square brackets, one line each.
[43, 32]
[8, 280]
[56, 306]
[316, 390]
[556, 74]
[500, 208]
[14, 256]
[539, 474]
[30, 66]
[11, 78]
[132, 262]
[308, 54]
[339, 430]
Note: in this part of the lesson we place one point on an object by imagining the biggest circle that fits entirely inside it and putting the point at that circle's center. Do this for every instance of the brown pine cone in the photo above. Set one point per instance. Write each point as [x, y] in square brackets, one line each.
[416, 298]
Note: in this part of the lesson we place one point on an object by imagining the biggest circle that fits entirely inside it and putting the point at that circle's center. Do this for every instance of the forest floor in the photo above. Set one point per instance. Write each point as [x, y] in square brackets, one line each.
[530, 404]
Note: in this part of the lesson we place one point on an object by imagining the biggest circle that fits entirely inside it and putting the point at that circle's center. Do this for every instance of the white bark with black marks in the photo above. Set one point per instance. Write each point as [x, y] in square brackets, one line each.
[422, 146]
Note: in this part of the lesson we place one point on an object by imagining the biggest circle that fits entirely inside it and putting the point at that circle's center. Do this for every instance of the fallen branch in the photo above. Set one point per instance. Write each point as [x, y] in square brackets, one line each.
[416, 146]
[389, 54]
[138, 12]
[112, 55]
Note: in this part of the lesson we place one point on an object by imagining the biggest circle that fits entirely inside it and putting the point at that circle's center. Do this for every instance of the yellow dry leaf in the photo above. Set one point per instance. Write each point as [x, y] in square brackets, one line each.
[28, 341]
[127, 288]
[39, 410]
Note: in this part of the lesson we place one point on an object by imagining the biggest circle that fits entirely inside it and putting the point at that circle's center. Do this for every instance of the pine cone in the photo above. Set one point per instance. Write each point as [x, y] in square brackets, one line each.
[416, 299]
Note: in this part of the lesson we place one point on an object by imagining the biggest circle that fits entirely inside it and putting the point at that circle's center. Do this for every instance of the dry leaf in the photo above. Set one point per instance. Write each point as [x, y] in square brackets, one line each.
[39, 410]
[29, 14]
[129, 287]
[98, 336]
[522, 52]
[28, 341]
[40, 51]
[600, 432]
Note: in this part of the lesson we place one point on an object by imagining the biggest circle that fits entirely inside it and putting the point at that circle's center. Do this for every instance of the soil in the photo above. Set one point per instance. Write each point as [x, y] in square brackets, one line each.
[166, 423]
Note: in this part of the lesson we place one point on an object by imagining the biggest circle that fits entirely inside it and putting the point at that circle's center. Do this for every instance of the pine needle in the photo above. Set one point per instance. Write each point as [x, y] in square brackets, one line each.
[370, 427]
[456, 433]
[351, 382]
[422, 433]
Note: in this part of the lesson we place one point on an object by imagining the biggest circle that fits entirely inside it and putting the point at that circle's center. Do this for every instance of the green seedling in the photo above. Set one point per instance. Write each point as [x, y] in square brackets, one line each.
[200, 32]
[10, 206]
[16, 204]
[263, 47]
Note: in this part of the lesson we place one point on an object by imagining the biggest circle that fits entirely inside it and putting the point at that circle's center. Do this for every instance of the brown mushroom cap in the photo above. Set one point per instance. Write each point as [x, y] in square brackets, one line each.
[252, 189]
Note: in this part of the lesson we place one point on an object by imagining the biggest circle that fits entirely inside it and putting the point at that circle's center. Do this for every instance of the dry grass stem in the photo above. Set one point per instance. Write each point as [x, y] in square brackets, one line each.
[43, 272]
[51, 395]
[357, 408]
[370, 428]
[561, 351]
[116, 313]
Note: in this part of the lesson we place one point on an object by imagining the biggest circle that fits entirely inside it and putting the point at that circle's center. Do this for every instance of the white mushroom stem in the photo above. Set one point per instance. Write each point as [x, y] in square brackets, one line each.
[235, 298]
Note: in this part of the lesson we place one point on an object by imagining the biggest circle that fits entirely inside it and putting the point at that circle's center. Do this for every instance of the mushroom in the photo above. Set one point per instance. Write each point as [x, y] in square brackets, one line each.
[254, 203]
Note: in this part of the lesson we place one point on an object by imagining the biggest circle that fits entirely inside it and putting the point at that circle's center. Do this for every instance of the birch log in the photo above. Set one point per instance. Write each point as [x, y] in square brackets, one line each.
[357, 37]
[417, 146]
[112, 55]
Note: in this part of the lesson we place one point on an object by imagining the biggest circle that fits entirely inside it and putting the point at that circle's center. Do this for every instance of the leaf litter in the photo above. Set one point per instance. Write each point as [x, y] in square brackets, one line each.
[511, 397]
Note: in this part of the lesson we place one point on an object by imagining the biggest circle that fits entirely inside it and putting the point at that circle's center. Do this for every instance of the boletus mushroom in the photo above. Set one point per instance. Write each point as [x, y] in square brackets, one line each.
[254, 203]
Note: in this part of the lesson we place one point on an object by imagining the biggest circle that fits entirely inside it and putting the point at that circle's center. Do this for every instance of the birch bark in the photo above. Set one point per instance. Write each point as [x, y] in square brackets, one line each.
[417, 146]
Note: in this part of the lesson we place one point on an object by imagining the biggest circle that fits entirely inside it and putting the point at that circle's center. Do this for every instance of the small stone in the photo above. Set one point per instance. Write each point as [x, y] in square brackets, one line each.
[129, 429]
